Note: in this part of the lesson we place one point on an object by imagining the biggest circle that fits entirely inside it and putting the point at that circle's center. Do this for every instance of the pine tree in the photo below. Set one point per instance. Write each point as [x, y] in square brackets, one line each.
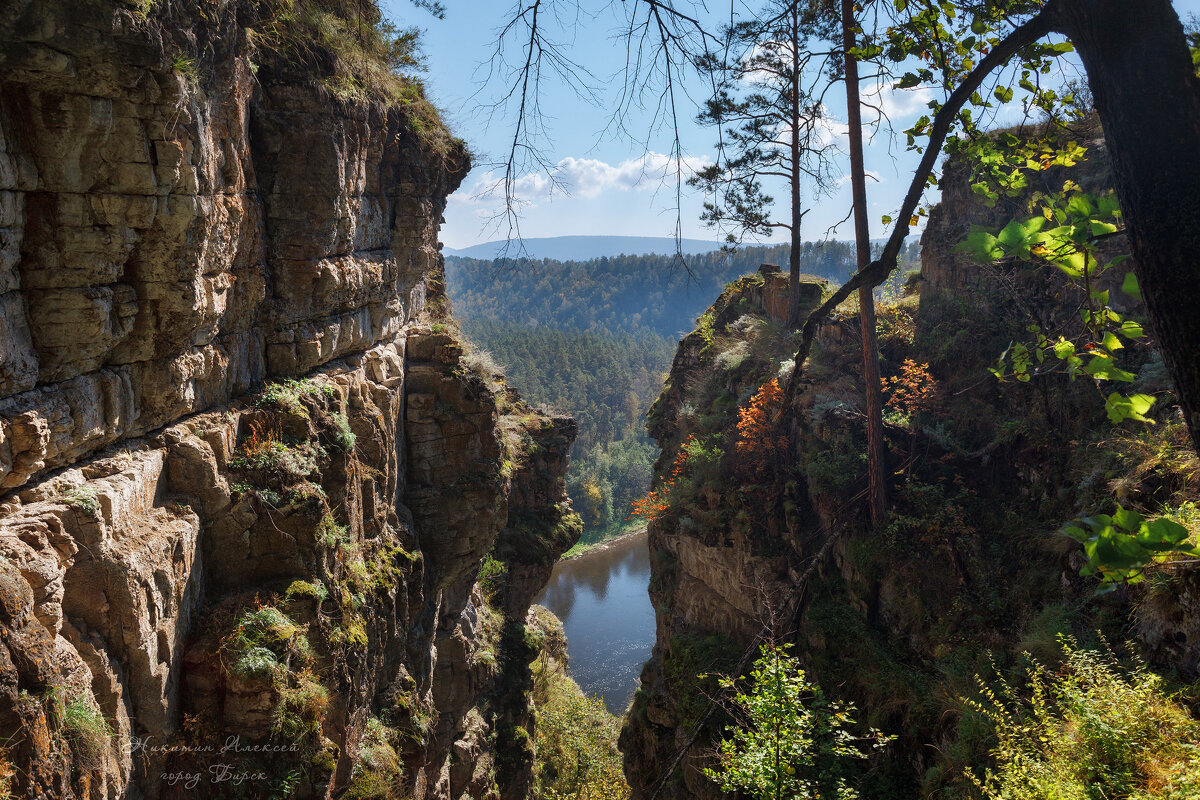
[770, 130]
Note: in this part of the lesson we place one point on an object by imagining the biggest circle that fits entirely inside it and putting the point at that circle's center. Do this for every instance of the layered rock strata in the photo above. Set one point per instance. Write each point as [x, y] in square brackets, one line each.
[249, 472]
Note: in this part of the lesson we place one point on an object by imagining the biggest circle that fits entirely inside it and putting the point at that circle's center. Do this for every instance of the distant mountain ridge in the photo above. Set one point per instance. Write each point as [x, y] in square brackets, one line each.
[583, 248]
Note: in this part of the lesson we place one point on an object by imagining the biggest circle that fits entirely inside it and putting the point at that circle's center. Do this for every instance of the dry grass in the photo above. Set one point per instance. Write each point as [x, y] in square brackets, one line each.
[1159, 465]
[355, 54]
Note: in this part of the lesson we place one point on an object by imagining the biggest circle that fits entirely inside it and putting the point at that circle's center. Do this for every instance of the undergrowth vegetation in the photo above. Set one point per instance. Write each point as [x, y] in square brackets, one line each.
[378, 773]
[576, 740]
[1008, 501]
[1091, 729]
[86, 731]
[346, 47]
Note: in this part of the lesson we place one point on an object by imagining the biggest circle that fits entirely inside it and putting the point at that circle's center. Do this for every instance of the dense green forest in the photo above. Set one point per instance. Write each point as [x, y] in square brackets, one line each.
[595, 339]
[627, 293]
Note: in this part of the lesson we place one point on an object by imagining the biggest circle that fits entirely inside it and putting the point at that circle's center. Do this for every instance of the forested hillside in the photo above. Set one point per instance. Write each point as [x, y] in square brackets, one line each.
[595, 339]
[626, 293]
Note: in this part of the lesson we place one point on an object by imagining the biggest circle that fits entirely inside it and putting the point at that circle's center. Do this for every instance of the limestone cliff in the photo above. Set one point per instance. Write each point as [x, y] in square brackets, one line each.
[763, 535]
[250, 473]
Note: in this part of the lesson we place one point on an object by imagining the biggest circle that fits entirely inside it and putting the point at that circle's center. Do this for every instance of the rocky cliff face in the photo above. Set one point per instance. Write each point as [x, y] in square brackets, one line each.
[185, 556]
[759, 532]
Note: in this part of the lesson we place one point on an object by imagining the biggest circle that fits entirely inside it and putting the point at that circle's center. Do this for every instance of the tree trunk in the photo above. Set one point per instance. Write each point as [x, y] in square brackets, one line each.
[1148, 98]
[793, 317]
[876, 452]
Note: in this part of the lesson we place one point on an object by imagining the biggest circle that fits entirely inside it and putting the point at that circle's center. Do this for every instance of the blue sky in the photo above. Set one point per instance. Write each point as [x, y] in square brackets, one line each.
[611, 182]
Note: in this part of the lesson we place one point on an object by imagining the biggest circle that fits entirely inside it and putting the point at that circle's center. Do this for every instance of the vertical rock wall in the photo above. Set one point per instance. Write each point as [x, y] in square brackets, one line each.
[173, 231]
[176, 233]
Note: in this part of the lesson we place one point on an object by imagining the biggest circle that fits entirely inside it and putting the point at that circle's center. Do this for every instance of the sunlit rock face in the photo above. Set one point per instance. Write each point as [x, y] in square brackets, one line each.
[176, 232]
[171, 235]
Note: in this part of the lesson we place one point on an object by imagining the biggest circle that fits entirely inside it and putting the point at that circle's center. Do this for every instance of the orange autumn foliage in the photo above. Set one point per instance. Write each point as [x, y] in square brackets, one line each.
[658, 500]
[913, 390]
[264, 438]
[760, 445]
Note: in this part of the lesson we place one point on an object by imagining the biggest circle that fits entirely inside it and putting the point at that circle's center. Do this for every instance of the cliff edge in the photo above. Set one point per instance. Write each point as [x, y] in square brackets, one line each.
[249, 471]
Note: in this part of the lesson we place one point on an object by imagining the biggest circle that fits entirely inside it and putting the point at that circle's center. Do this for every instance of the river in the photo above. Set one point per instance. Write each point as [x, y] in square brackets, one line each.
[602, 601]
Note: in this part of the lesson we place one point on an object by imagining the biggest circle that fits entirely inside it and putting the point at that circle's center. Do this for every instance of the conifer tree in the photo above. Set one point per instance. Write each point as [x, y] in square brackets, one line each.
[770, 127]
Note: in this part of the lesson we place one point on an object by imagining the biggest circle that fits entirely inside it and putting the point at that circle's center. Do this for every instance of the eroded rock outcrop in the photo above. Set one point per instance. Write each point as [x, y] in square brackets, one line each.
[186, 557]
[759, 528]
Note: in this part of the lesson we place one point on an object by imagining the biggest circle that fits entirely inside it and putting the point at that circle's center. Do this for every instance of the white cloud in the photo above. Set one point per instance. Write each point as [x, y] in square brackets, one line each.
[898, 104]
[831, 130]
[579, 177]
[901, 106]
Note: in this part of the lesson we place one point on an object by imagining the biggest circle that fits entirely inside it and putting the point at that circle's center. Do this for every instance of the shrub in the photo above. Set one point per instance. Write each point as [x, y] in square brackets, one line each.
[342, 434]
[262, 447]
[84, 499]
[377, 774]
[707, 332]
[288, 395]
[331, 534]
[186, 67]
[697, 461]
[576, 741]
[86, 732]
[301, 707]
[912, 391]
[791, 741]
[259, 639]
[491, 575]
[256, 662]
[896, 325]
[761, 446]
[482, 363]
[1092, 730]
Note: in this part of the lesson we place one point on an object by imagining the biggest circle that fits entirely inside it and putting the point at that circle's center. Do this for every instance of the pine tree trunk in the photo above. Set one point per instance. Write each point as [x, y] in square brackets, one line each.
[793, 317]
[1148, 98]
[876, 452]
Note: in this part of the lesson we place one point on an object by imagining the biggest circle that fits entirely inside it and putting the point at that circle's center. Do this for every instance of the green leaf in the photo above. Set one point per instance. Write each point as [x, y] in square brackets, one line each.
[909, 81]
[1073, 264]
[1080, 206]
[1103, 368]
[978, 26]
[1135, 406]
[1003, 93]
[1161, 535]
[982, 246]
[1130, 286]
[887, 220]
[1077, 533]
[1107, 206]
[1064, 349]
[1097, 521]
[1127, 518]
[1111, 550]
[1111, 342]
[1131, 330]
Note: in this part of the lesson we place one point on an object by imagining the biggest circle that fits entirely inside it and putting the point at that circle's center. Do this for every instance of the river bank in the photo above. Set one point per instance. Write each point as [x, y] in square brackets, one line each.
[608, 540]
